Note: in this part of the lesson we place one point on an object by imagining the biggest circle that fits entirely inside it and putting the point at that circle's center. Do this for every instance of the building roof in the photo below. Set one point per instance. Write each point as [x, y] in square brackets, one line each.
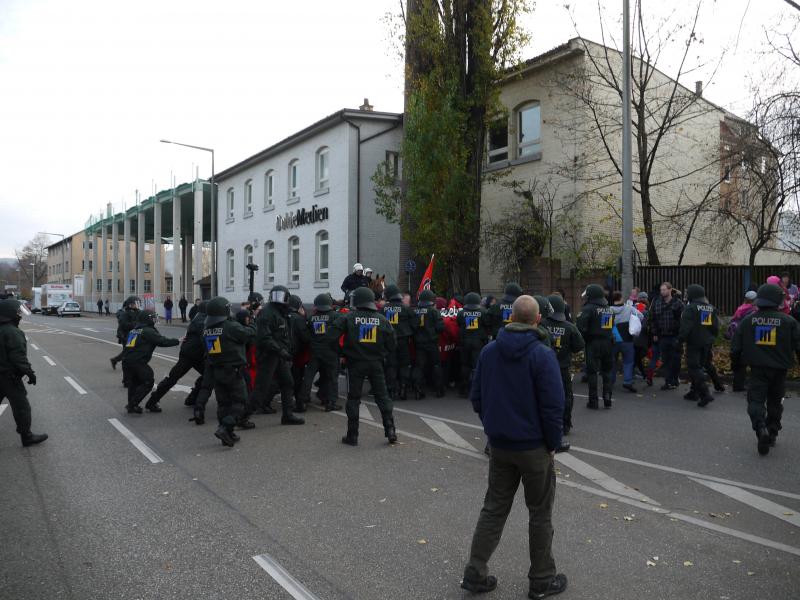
[313, 129]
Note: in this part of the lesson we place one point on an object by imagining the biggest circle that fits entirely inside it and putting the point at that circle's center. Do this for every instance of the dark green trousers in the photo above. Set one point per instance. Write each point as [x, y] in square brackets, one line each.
[398, 367]
[765, 394]
[569, 397]
[506, 469]
[356, 374]
[599, 358]
[11, 387]
[231, 392]
[470, 351]
[328, 368]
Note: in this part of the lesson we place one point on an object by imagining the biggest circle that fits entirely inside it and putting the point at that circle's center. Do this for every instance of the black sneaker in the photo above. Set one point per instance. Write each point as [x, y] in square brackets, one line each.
[763, 440]
[557, 585]
[224, 436]
[33, 438]
[199, 416]
[245, 423]
[668, 386]
[350, 440]
[705, 401]
[153, 407]
[292, 420]
[134, 410]
[476, 584]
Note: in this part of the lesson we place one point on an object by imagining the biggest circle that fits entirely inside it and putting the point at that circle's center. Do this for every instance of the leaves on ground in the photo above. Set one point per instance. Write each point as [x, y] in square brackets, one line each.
[688, 563]
[603, 505]
[422, 542]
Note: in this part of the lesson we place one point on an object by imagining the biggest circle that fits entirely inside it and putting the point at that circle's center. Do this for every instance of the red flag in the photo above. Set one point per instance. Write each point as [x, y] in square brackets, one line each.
[425, 284]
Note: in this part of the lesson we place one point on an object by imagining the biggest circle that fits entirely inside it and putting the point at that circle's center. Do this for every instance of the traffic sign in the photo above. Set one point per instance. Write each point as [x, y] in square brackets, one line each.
[411, 266]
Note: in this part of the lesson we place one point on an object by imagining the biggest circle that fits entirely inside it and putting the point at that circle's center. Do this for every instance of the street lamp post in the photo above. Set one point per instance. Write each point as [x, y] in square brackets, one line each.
[33, 281]
[63, 251]
[213, 214]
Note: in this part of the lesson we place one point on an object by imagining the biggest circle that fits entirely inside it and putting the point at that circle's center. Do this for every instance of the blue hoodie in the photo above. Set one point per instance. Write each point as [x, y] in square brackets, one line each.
[517, 391]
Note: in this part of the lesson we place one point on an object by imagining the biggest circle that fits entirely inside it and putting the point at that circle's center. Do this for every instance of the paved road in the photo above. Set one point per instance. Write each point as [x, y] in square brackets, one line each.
[659, 499]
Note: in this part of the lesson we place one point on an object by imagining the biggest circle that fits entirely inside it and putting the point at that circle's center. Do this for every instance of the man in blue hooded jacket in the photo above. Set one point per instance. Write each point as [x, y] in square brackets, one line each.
[517, 392]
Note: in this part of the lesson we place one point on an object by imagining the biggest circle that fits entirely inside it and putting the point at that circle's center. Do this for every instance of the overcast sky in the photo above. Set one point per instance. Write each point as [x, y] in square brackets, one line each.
[88, 87]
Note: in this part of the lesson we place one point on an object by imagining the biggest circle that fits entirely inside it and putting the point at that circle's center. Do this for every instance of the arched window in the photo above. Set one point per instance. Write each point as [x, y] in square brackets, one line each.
[529, 129]
[294, 259]
[269, 187]
[498, 140]
[231, 204]
[231, 268]
[323, 169]
[322, 256]
[293, 174]
[248, 197]
[248, 260]
[269, 263]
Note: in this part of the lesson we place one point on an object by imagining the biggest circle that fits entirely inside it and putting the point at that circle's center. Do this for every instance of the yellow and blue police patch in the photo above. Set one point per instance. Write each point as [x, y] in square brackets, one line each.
[319, 327]
[213, 344]
[472, 323]
[506, 312]
[706, 318]
[392, 315]
[368, 333]
[766, 335]
[133, 337]
[606, 321]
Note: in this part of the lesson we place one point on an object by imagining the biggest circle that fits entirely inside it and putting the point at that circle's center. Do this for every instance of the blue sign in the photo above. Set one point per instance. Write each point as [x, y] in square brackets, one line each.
[411, 266]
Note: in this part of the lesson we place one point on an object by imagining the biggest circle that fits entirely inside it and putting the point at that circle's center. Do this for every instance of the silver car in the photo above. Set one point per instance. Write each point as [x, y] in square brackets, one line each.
[69, 309]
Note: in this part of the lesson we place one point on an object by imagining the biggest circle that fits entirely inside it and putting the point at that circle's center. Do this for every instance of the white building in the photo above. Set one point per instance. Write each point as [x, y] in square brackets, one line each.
[303, 209]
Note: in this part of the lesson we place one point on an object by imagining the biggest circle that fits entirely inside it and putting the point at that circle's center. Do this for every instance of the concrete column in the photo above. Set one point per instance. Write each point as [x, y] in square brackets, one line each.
[140, 242]
[86, 272]
[126, 258]
[95, 271]
[188, 284]
[177, 290]
[114, 263]
[198, 238]
[157, 278]
[104, 261]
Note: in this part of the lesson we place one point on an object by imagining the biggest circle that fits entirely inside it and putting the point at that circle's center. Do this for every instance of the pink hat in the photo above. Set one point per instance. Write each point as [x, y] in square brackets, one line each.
[774, 280]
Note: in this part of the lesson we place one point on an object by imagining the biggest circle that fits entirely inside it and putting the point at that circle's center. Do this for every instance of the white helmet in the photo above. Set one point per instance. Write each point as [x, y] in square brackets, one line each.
[367, 271]
[358, 267]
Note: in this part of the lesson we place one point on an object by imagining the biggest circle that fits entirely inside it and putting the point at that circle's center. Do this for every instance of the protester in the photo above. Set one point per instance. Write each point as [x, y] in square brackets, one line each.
[195, 308]
[664, 320]
[182, 305]
[624, 314]
[737, 366]
[786, 306]
[793, 291]
[168, 310]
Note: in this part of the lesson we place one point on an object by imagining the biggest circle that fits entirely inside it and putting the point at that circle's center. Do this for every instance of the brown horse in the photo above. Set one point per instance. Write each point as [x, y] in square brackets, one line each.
[378, 286]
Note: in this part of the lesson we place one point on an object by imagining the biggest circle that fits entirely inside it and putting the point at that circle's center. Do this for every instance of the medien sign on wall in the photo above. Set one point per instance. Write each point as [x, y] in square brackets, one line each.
[301, 217]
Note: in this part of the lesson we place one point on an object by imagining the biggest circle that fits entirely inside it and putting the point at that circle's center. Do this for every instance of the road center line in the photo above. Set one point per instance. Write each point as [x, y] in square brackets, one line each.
[49, 361]
[34, 346]
[138, 444]
[282, 577]
[448, 434]
[74, 384]
[767, 506]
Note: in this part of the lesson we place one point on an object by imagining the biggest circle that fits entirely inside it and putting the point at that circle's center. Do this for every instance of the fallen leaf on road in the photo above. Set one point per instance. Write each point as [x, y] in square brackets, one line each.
[434, 489]
[382, 500]
[688, 563]
[369, 526]
[650, 563]
[165, 493]
[628, 518]
[422, 541]
[604, 505]
[655, 558]
[751, 573]
[616, 518]
[737, 562]
[788, 514]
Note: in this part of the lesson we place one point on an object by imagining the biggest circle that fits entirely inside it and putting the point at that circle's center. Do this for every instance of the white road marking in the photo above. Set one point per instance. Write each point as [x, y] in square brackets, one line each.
[364, 414]
[181, 388]
[771, 508]
[49, 361]
[282, 577]
[603, 480]
[423, 415]
[448, 434]
[138, 444]
[72, 382]
[90, 329]
[3, 408]
[34, 346]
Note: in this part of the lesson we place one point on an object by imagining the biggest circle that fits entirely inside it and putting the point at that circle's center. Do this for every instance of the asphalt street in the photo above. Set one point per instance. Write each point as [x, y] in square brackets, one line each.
[658, 499]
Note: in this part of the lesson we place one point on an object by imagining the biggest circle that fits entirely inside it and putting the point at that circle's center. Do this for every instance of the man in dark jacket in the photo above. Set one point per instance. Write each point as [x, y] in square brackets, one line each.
[182, 304]
[301, 337]
[566, 340]
[126, 320]
[324, 355]
[473, 329]
[664, 321]
[596, 324]
[195, 308]
[518, 394]
[355, 280]
[698, 330]
[427, 327]
[398, 363]
[500, 312]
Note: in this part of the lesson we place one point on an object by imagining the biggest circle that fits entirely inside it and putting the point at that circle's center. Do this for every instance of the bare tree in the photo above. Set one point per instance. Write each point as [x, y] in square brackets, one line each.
[32, 260]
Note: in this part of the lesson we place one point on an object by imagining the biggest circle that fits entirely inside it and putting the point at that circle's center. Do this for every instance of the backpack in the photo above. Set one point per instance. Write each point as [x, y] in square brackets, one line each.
[731, 330]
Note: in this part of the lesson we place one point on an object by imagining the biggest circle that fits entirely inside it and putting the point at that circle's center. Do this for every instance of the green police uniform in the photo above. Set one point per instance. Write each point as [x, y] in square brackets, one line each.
[596, 325]
[13, 366]
[500, 313]
[226, 349]
[566, 340]
[324, 356]
[142, 341]
[474, 329]
[398, 363]
[301, 338]
[368, 340]
[126, 320]
[427, 327]
[766, 341]
[698, 330]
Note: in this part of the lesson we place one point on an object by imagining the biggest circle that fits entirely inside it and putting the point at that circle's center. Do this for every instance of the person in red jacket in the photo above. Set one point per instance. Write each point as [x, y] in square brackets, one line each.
[448, 340]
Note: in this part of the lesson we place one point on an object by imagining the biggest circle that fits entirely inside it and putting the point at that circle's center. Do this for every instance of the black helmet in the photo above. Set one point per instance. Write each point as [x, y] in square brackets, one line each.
[559, 308]
[323, 303]
[594, 292]
[203, 308]
[217, 311]
[472, 300]
[545, 310]
[242, 316]
[512, 292]
[147, 317]
[10, 310]
[255, 298]
[769, 296]
[695, 292]
[133, 302]
[392, 292]
[426, 298]
[279, 295]
[364, 297]
[295, 303]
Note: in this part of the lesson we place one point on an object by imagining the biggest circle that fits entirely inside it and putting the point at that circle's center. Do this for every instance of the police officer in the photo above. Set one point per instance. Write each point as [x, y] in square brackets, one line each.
[355, 280]
[766, 341]
[545, 310]
[324, 357]
[398, 363]
[126, 320]
[596, 325]
[274, 348]
[225, 340]
[368, 339]
[500, 312]
[566, 340]
[698, 330]
[13, 366]
[142, 341]
[473, 328]
[191, 356]
[427, 327]
[298, 328]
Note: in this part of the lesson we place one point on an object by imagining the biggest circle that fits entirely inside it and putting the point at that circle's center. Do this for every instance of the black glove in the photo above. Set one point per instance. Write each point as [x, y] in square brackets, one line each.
[286, 355]
[31, 378]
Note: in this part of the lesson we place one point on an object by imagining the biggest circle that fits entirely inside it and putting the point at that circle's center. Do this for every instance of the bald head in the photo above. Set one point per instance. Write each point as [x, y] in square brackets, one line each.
[525, 310]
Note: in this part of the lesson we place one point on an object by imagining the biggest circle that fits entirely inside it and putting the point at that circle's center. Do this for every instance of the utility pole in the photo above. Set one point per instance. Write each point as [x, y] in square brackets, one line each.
[627, 167]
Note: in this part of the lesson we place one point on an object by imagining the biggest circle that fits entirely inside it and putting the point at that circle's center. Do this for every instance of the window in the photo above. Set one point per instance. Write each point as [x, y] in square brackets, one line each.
[248, 197]
[230, 204]
[146, 267]
[322, 256]
[83, 265]
[168, 282]
[248, 260]
[393, 164]
[98, 286]
[323, 169]
[293, 179]
[727, 177]
[269, 263]
[498, 141]
[132, 286]
[108, 285]
[269, 185]
[119, 285]
[231, 269]
[91, 266]
[67, 263]
[529, 130]
[294, 259]
[147, 247]
[148, 286]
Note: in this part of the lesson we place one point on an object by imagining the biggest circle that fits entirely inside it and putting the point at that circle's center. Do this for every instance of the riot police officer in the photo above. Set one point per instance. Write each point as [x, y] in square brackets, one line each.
[274, 348]
[474, 328]
[225, 340]
[126, 320]
[398, 363]
[596, 325]
[427, 327]
[13, 366]
[324, 357]
[698, 330]
[368, 339]
[500, 312]
[766, 341]
[142, 341]
[298, 329]
[566, 340]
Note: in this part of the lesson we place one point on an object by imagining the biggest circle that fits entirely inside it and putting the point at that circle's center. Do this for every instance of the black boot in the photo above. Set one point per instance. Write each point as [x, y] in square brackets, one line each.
[235, 437]
[691, 395]
[31, 439]
[419, 394]
[113, 363]
[224, 435]
[190, 400]
[152, 406]
[704, 401]
[300, 407]
[388, 428]
[331, 406]
[773, 436]
[592, 403]
[351, 439]
[763, 440]
[286, 408]
[134, 409]
[607, 402]
[403, 394]
[474, 583]
[199, 415]
[245, 423]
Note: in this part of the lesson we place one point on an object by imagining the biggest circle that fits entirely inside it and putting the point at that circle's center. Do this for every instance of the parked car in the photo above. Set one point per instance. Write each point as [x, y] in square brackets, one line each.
[69, 309]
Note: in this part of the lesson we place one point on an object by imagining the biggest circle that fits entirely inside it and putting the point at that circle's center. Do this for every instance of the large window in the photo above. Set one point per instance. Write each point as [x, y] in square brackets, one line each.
[393, 164]
[248, 260]
[132, 286]
[248, 197]
[294, 259]
[529, 127]
[323, 169]
[269, 263]
[322, 256]
[269, 188]
[498, 141]
[148, 286]
[98, 286]
[168, 282]
[231, 203]
[293, 172]
[231, 268]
